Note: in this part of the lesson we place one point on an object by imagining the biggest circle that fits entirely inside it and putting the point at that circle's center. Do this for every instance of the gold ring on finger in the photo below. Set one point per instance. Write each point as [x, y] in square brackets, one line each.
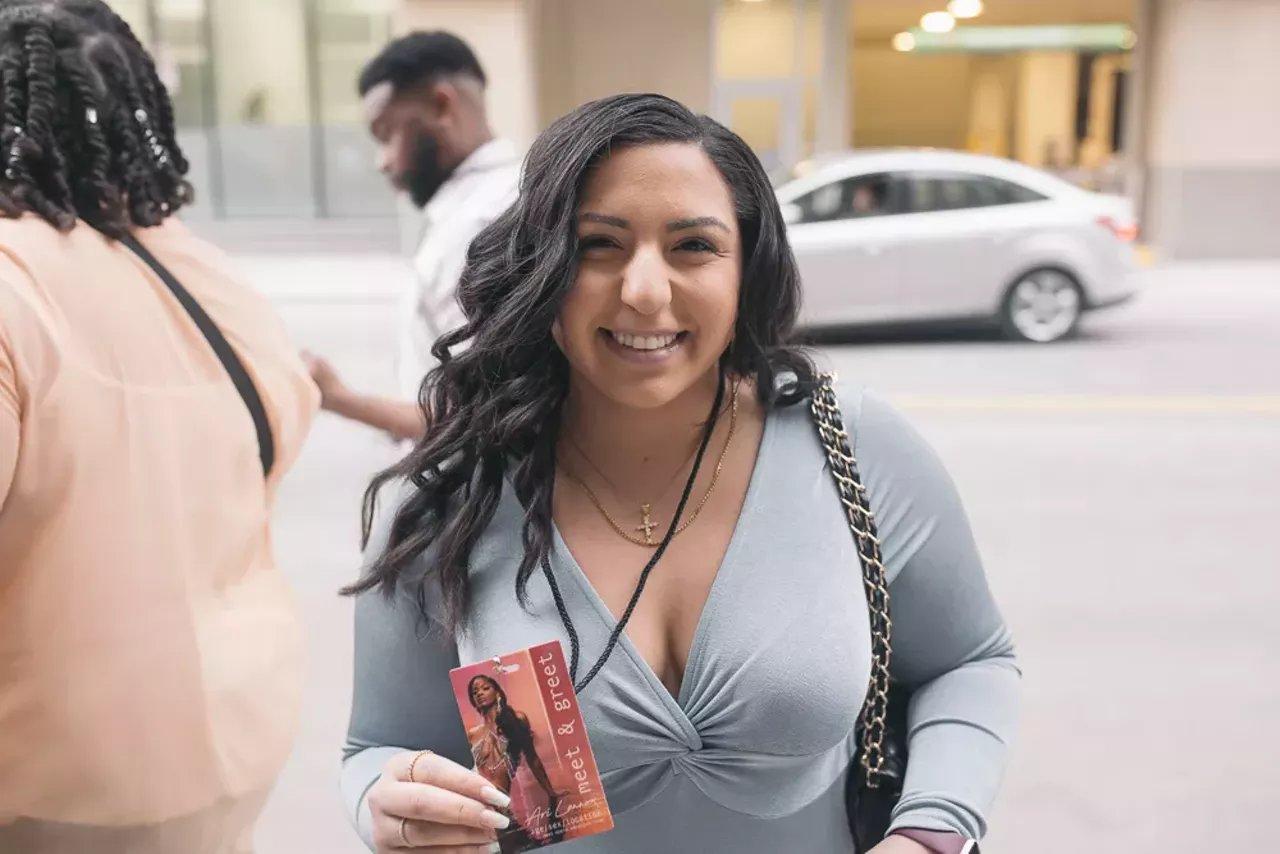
[413, 763]
[404, 836]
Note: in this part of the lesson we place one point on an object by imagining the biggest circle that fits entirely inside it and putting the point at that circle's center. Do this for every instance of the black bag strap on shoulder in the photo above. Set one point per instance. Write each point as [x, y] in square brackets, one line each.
[230, 361]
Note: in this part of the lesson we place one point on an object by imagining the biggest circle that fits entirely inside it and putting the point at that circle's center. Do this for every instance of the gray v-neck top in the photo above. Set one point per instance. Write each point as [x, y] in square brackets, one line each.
[752, 756]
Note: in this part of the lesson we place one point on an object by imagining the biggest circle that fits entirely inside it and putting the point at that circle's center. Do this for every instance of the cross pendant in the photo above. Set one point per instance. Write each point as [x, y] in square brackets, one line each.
[646, 523]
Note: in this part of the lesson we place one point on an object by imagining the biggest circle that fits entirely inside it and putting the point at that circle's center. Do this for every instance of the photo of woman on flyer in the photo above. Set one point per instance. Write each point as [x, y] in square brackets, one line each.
[502, 739]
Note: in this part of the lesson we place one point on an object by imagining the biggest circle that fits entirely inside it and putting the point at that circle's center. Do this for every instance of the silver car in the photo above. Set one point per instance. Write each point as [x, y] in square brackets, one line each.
[911, 236]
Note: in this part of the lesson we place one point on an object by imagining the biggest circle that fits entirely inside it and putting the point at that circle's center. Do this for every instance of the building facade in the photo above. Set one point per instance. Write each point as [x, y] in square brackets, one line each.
[1171, 101]
[1209, 147]
[265, 101]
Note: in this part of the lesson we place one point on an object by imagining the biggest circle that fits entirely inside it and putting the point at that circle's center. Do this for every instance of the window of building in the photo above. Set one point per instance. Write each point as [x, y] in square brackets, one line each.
[265, 101]
[348, 33]
[263, 107]
[179, 44]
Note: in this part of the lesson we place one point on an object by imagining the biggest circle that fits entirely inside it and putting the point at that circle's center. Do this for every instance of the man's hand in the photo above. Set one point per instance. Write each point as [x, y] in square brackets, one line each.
[399, 419]
[333, 393]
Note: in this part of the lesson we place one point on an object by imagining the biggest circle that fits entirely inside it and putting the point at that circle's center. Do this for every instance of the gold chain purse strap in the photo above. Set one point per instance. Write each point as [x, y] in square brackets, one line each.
[844, 467]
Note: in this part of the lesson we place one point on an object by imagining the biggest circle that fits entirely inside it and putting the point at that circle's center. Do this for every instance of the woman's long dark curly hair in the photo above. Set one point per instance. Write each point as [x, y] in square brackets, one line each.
[494, 406]
[86, 125]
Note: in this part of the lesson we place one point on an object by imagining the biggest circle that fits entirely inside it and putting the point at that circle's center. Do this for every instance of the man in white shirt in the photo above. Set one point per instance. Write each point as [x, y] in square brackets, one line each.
[424, 100]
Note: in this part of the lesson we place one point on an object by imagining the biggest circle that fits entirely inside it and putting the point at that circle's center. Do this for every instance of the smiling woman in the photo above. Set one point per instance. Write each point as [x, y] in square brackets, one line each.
[551, 282]
[620, 460]
[665, 327]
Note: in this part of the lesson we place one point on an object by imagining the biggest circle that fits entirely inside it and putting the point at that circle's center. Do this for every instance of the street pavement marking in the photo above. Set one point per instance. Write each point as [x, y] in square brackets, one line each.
[1187, 404]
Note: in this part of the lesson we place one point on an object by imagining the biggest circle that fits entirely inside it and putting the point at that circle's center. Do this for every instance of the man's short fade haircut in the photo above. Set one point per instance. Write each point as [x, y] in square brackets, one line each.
[420, 58]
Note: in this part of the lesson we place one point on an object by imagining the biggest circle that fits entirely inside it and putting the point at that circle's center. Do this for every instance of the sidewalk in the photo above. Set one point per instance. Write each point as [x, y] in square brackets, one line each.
[1246, 272]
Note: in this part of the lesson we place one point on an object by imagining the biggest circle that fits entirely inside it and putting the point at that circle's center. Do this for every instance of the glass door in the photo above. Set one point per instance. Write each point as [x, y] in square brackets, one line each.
[767, 63]
[348, 33]
[767, 115]
[179, 39]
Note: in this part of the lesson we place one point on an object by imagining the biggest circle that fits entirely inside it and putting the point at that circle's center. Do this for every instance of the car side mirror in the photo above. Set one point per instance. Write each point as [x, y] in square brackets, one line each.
[791, 213]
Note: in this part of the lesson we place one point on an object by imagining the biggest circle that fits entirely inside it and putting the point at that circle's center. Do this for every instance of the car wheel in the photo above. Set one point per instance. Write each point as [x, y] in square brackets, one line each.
[1043, 306]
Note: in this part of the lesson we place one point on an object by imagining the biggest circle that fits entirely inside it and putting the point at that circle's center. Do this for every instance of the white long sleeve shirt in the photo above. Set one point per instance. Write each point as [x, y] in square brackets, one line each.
[478, 191]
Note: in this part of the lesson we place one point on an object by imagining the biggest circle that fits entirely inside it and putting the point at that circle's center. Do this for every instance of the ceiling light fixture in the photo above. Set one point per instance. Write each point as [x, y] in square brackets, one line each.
[938, 22]
[904, 42]
[965, 8]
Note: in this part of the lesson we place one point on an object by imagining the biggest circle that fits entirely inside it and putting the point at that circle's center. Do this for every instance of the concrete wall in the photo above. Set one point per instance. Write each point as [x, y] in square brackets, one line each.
[1213, 129]
[1047, 108]
[992, 104]
[1011, 105]
[908, 99]
[760, 41]
[587, 49]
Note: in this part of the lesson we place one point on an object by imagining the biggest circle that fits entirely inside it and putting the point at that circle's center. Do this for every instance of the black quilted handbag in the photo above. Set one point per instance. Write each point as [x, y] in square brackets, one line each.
[874, 785]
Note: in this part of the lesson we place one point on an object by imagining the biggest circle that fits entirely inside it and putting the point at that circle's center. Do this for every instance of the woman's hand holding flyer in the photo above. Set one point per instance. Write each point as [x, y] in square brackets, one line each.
[529, 742]
[425, 801]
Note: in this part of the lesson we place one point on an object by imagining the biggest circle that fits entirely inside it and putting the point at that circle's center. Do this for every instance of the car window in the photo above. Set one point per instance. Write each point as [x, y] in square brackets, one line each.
[952, 192]
[852, 198]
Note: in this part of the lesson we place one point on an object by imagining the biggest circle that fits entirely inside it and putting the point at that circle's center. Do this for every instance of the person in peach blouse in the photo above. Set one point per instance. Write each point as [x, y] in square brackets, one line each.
[150, 649]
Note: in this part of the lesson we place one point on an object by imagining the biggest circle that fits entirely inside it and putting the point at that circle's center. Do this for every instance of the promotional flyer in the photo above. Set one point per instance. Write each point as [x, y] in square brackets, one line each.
[527, 737]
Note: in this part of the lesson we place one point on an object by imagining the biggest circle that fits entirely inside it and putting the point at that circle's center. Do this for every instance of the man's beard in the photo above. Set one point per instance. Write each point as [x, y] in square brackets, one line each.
[425, 175]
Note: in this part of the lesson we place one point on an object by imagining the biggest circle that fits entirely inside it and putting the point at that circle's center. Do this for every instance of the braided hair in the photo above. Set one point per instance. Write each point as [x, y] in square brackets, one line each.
[86, 125]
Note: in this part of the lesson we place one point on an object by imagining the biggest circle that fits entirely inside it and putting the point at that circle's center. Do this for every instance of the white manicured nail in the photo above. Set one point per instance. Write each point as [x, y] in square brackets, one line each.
[495, 820]
[495, 798]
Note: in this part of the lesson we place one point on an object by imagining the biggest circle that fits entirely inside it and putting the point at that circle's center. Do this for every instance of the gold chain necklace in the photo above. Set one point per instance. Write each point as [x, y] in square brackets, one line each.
[647, 525]
[573, 443]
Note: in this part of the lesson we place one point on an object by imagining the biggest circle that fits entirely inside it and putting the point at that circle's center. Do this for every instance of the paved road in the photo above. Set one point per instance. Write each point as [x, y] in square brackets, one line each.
[1124, 491]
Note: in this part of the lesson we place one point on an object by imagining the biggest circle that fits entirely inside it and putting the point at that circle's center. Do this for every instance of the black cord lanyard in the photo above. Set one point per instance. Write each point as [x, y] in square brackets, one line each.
[644, 574]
